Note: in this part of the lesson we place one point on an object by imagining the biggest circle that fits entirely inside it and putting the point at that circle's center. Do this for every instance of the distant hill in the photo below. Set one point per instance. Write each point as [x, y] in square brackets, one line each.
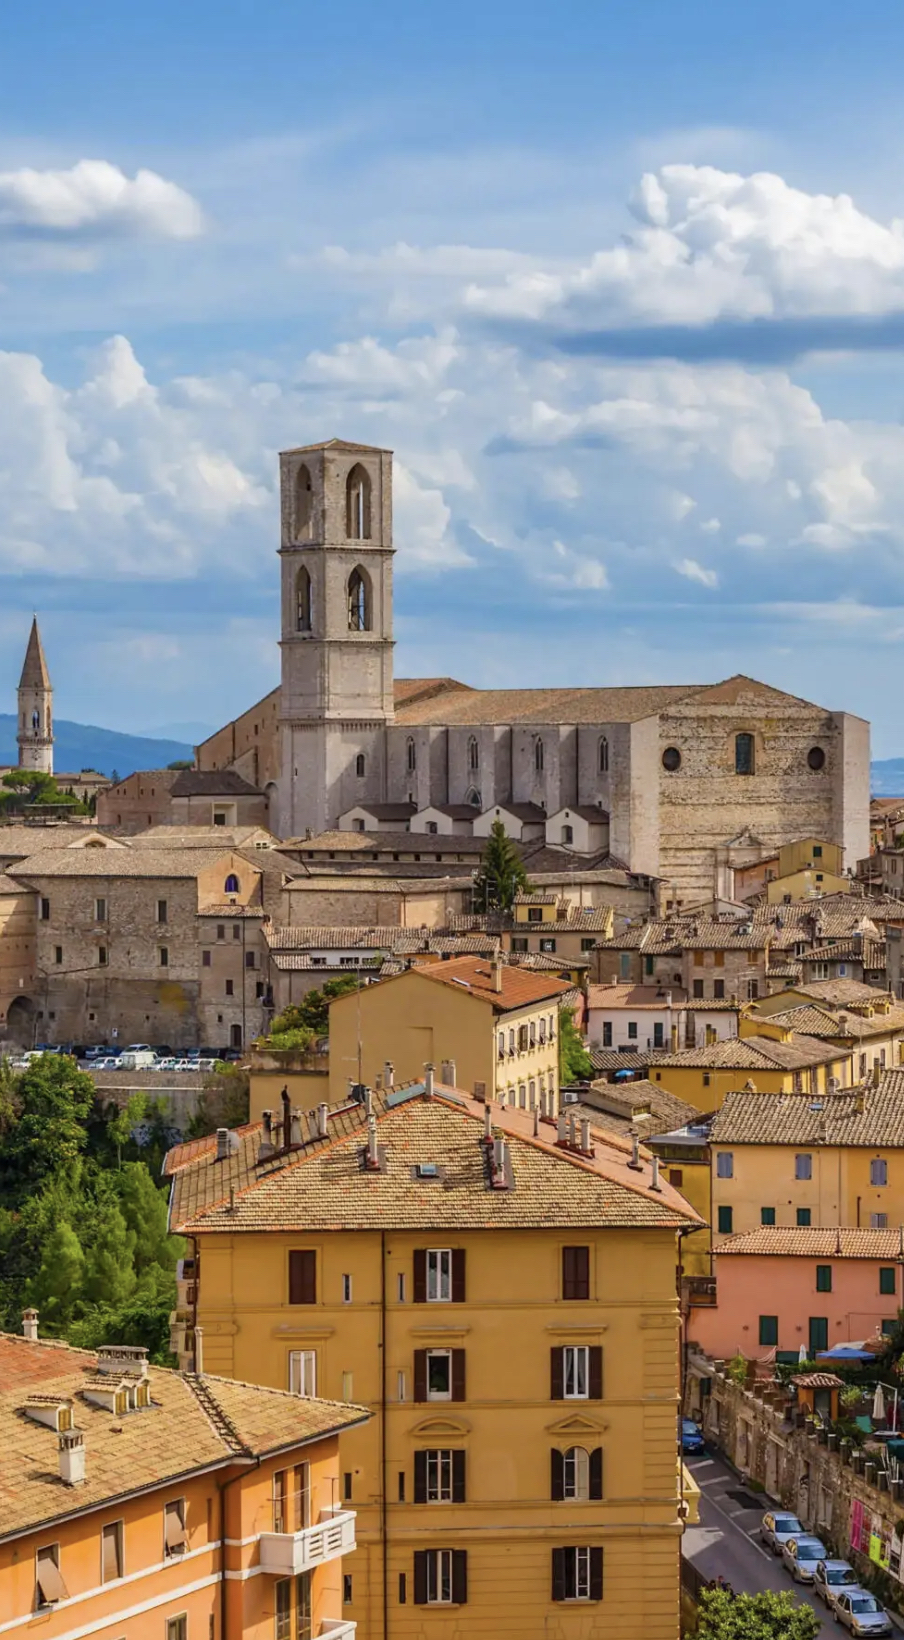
[81, 746]
[887, 777]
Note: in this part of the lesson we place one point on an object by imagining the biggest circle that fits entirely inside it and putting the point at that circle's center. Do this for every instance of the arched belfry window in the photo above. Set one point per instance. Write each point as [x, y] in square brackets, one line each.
[538, 755]
[304, 614]
[357, 497]
[604, 755]
[744, 754]
[359, 610]
[473, 753]
[411, 754]
[474, 798]
[304, 505]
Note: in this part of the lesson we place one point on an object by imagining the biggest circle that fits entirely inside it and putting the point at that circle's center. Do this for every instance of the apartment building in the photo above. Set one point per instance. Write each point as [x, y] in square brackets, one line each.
[704, 1076]
[496, 1029]
[499, 1291]
[164, 1506]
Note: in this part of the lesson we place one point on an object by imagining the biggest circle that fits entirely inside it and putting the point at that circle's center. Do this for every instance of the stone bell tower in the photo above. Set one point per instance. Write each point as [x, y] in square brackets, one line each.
[35, 735]
[336, 691]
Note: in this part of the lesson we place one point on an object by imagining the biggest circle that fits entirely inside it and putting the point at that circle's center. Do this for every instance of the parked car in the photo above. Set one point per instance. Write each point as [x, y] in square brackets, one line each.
[831, 1578]
[167, 1064]
[861, 1613]
[691, 1436]
[187, 1065]
[111, 1063]
[99, 1051]
[139, 1047]
[777, 1527]
[801, 1556]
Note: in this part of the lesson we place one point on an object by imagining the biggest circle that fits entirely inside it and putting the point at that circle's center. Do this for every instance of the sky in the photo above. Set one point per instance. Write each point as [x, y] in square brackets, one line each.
[621, 287]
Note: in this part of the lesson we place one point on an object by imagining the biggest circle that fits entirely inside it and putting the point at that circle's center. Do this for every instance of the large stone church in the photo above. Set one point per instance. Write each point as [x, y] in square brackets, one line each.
[680, 781]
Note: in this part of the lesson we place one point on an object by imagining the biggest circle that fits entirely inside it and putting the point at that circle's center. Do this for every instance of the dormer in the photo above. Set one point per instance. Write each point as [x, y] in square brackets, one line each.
[54, 1411]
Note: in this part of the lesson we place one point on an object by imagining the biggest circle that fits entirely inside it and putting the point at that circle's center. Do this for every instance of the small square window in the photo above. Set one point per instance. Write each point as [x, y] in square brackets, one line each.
[767, 1215]
[887, 1280]
[725, 1220]
[804, 1217]
[878, 1171]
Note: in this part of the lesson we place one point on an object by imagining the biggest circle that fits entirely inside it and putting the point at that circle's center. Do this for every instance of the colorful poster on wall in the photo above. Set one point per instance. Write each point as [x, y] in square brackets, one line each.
[894, 1559]
[857, 1523]
[879, 1542]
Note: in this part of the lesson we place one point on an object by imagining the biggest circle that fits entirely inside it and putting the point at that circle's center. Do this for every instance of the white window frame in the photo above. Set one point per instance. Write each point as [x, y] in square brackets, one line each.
[581, 1573]
[576, 1371]
[439, 1577]
[878, 1221]
[439, 1474]
[439, 1275]
[303, 1374]
[433, 1394]
[576, 1474]
[401, 1386]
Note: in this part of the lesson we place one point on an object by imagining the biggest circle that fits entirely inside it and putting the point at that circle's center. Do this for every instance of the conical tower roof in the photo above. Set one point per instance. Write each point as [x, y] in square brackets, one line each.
[34, 673]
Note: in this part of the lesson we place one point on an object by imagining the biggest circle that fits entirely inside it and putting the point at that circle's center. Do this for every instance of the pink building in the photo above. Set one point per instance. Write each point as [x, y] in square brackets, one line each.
[779, 1288]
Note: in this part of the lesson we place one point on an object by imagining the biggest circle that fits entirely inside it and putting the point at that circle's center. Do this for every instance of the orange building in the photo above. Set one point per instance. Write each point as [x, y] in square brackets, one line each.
[140, 1502]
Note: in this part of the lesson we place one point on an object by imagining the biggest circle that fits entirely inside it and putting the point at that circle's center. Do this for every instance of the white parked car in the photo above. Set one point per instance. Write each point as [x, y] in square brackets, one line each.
[187, 1065]
[777, 1528]
[833, 1578]
[801, 1556]
[861, 1613]
[167, 1064]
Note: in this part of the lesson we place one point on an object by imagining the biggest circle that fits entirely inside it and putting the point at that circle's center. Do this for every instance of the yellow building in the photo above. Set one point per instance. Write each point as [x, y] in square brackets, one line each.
[805, 884]
[796, 1161]
[494, 1028]
[796, 1063]
[873, 1034]
[499, 1291]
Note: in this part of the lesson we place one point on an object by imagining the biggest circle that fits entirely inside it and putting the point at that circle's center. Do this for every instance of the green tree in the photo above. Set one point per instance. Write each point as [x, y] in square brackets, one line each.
[181, 763]
[144, 1210]
[109, 1248]
[49, 1136]
[224, 1101]
[122, 1121]
[575, 1064]
[311, 1014]
[57, 1285]
[501, 874]
[764, 1616]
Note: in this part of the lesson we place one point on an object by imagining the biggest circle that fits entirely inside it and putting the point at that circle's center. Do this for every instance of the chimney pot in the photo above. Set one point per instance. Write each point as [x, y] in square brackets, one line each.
[388, 1075]
[222, 1143]
[585, 1133]
[428, 1081]
[497, 972]
[654, 1182]
[487, 1122]
[296, 1128]
[635, 1161]
[561, 1128]
[30, 1325]
[448, 1073]
[536, 1121]
[498, 1156]
[323, 1116]
[373, 1155]
[368, 1102]
[72, 1457]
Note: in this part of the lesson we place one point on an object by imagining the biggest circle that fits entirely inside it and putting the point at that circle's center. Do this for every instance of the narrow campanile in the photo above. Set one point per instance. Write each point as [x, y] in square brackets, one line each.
[35, 735]
[336, 691]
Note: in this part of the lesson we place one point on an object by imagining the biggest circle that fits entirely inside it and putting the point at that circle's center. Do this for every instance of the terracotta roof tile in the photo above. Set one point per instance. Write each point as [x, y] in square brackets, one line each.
[773, 1239]
[814, 1119]
[520, 987]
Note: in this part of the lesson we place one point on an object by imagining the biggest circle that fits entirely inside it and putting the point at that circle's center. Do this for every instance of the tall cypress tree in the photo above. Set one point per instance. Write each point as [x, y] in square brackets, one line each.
[501, 875]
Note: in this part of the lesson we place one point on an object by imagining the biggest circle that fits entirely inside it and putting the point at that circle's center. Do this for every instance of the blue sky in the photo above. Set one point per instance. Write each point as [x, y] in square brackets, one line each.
[622, 287]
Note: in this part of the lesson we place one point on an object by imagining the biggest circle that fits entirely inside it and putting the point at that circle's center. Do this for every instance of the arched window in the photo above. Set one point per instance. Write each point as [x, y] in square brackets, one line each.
[474, 798]
[231, 885]
[604, 755]
[360, 765]
[36, 720]
[744, 756]
[304, 503]
[473, 753]
[581, 1473]
[303, 608]
[410, 754]
[357, 499]
[538, 755]
[359, 610]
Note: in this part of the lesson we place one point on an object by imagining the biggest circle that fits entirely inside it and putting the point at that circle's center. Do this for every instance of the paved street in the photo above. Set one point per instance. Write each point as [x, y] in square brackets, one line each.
[726, 1540]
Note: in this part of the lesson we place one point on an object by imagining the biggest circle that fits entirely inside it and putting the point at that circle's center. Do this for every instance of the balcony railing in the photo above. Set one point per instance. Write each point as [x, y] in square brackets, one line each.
[338, 1628]
[700, 1290]
[288, 1553]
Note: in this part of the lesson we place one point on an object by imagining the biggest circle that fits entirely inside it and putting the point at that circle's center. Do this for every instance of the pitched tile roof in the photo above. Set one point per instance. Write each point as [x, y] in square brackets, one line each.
[611, 1059]
[212, 783]
[630, 997]
[821, 1119]
[192, 1423]
[520, 987]
[541, 706]
[870, 952]
[774, 1239]
[132, 862]
[324, 1185]
[849, 991]
[752, 1053]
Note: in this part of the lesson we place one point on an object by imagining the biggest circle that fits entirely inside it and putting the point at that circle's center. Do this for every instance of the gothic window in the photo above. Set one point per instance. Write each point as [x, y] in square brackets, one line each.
[357, 496]
[744, 754]
[359, 610]
[303, 505]
[474, 798]
[538, 755]
[473, 753]
[303, 606]
[360, 765]
[411, 754]
[231, 885]
[36, 720]
[604, 755]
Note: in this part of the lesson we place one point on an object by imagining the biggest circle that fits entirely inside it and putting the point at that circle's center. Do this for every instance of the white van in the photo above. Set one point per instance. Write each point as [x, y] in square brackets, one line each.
[138, 1059]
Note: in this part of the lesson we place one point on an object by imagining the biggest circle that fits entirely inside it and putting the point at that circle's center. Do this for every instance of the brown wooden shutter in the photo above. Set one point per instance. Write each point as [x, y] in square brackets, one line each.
[557, 1475]
[420, 1375]
[567, 1271]
[558, 1573]
[556, 1374]
[420, 1576]
[459, 1576]
[458, 1275]
[595, 1385]
[50, 1579]
[302, 1276]
[458, 1475]
[575, 1272]
[596, 1474]
[110, 1554]
[420, 1275]
[420, 1477]
[458, 1375]
[596, 1574]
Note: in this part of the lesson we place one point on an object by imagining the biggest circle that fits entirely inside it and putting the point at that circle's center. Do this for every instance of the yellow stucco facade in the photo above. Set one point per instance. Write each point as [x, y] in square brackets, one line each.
[707, 1086]
[838, 1190]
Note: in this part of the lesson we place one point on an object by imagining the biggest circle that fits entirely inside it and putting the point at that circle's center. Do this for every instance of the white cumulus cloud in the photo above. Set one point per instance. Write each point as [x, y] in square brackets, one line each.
[696, 572]
[94, 198]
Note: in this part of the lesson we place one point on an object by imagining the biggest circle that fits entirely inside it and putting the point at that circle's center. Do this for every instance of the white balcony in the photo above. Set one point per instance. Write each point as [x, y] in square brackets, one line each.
[338, 1628]
[287, 1553]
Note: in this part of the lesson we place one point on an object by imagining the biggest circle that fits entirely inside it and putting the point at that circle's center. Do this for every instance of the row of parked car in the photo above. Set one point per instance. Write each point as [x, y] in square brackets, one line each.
[834, 1581]
[137, 1056]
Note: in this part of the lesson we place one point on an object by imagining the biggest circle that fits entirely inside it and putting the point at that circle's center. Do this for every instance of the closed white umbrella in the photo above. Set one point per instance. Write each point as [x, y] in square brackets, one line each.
[878, 1406]
[802, 1353]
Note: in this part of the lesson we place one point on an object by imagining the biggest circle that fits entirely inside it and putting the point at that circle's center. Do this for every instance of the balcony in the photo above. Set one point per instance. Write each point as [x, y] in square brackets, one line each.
[339, 1628]
[288, 1553]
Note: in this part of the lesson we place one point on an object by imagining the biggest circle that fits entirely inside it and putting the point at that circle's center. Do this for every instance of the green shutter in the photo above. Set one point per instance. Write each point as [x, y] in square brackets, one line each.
[769, 1329]
[725, 1221]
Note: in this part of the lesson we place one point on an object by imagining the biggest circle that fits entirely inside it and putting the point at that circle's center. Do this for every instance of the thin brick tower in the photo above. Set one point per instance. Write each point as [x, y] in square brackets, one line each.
[35, 734]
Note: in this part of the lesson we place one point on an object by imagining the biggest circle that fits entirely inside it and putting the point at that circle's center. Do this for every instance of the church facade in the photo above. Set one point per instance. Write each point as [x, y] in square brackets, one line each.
[683, 780]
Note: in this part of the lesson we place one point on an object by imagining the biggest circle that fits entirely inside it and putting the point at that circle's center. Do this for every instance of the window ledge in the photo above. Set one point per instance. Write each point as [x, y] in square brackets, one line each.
[287, 1330]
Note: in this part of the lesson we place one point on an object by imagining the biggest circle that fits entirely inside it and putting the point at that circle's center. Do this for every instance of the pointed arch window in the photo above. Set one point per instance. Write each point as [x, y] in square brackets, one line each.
[357, 499]
[303, 505]
[411, 754]
[744, 754]
[304, 613]
[359, 602]
[539, 755]
[603, 755]
[473, 753]
[474, 798]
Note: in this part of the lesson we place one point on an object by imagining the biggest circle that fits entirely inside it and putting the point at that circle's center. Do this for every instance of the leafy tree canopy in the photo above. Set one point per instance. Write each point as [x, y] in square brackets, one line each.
[575, 1064]
[501, 874]
[309, 1018]
[764, 1616]
[24, 786]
